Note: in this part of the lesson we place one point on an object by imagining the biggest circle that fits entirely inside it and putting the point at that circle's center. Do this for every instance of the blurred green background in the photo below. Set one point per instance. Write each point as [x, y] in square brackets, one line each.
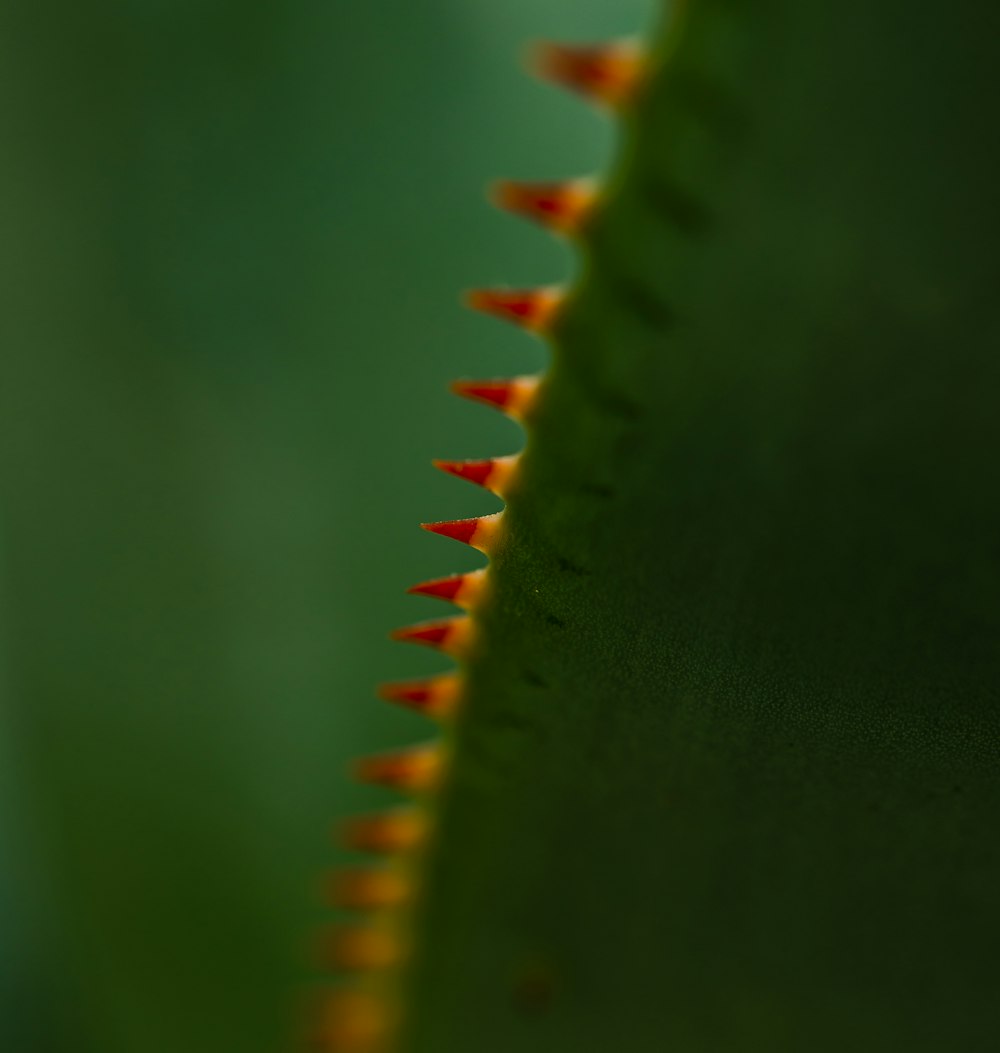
[233, 236]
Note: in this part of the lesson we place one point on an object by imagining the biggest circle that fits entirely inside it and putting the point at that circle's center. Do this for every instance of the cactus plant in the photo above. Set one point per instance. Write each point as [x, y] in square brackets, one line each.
[719, 767]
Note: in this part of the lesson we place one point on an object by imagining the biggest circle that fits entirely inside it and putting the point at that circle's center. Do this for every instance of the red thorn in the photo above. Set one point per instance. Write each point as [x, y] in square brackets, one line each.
[531, 308]
[432, 633]
[417, 693]
[436, 696]
[606, 73]
[558, 206]
[477, 472]
[446, 634]
[478, 533]
[512, 396]
[461, 589]
[494, 392]
[494, 474]
[460, 529]
[440, 588]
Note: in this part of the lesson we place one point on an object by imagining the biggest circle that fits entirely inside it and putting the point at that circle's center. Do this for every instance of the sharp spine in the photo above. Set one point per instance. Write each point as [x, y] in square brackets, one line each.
[608, 74]
[562, 207]
[532, 309]
[435, 696]
[514, 397]
[449, 635]
[493, 474]
[463, 590]
[478, 532]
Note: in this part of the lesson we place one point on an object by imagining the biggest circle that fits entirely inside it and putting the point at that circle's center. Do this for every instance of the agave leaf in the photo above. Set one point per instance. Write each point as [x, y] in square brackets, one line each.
[726, 771]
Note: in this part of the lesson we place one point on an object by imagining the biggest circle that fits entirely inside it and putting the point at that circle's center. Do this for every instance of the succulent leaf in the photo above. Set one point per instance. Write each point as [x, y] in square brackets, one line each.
[725, 773]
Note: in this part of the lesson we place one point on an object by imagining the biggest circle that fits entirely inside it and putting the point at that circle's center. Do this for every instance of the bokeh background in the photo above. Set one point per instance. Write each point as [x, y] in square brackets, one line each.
[232, 237]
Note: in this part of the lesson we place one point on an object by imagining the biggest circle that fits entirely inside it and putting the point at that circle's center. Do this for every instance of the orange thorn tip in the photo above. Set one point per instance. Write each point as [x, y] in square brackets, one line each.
[561, 207]
[386, 832]
[606, 73]
[413, 770]
[479, 532]
[533, 309]
[435, 696]
[513, 396]
[362, 947]
[450, 635]
[493, 474]
[367, 888]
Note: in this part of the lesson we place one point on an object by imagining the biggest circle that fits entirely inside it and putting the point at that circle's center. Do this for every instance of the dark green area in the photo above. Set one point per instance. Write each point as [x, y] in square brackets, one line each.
[232, 238]
[728, 778]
